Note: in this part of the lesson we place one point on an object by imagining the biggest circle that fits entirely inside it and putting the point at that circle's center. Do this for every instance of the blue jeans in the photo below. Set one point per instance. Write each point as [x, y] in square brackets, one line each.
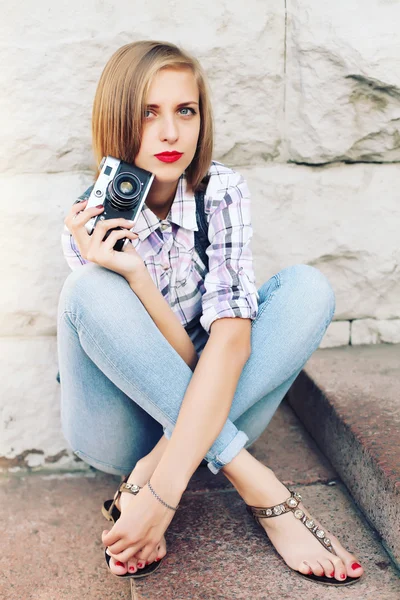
[122, 383]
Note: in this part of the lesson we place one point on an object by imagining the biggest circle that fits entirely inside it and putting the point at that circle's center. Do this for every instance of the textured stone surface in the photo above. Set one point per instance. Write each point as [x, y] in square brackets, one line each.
[343, 86]
[348, 399]
[30, 435]
[337, 334]
[35, 269]
[330, 218]
[51, 544]
[372, 331]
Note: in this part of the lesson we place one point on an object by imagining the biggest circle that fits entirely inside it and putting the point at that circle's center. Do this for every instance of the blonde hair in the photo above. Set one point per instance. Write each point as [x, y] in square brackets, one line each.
[119, 103]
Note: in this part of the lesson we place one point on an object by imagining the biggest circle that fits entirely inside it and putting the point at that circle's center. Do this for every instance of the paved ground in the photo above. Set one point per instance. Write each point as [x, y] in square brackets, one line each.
[51, 547]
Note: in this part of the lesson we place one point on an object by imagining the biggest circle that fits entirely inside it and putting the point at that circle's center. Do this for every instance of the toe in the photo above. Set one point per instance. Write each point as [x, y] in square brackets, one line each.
[329, 569]
[316, 568]
[159, 552]
[353, 568]
[132, 565]
[117, 567]
[305, 569]
[340, 569]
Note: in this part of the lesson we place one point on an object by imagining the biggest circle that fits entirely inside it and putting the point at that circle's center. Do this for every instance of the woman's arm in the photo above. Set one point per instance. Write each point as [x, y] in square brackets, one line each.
[205, 406]
[164, 317]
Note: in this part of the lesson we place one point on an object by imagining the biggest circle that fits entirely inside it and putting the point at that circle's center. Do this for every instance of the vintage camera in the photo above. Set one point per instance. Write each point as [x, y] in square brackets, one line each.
[122, 188]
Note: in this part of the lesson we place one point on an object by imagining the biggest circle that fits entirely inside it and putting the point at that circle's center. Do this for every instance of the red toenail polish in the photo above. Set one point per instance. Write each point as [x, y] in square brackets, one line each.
[140, 565]
[119, 563]
[131, 568]
[331, 575]
[343, 576]
[355, 566]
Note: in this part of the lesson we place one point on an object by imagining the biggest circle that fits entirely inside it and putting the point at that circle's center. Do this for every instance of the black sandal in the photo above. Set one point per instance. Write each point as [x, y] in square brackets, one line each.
[112, 513]
[291, 505]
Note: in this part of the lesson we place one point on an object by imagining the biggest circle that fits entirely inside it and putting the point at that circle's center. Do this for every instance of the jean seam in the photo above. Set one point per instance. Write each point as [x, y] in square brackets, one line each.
[170, 424]
[268, 300]
[101, 462]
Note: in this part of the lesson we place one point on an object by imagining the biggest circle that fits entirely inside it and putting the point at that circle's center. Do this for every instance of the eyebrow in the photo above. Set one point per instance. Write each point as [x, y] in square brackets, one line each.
[178, 105]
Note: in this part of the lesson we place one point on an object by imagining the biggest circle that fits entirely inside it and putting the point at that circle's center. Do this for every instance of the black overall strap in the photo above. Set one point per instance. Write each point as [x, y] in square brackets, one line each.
[201, 241]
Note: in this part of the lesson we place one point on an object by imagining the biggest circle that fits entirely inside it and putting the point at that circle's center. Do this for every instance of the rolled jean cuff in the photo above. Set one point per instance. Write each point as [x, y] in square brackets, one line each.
[229, 453]
[167, 433]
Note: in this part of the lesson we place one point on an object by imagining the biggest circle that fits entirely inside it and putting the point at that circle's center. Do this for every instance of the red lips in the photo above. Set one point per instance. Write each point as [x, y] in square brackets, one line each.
[169, 156]
[173, 153]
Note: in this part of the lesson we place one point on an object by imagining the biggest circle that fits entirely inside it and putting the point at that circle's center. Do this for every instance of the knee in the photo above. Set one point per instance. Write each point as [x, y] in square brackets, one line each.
[87, 284]
[314, 287]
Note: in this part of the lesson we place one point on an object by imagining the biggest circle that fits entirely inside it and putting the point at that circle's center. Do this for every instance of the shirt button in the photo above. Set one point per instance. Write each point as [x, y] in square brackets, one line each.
[165, 267]
[164, 226]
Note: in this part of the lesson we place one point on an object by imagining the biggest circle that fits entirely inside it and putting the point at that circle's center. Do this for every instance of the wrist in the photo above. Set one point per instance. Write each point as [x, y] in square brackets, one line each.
[139, 278]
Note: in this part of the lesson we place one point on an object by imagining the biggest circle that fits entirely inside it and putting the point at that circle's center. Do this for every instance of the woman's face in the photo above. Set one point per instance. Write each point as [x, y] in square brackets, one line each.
[169, 127]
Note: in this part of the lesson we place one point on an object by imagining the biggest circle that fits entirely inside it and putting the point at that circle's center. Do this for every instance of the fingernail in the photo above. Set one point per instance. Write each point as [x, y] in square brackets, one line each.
[99, 206]
[119, 563]
[355, 566]
[342, 576]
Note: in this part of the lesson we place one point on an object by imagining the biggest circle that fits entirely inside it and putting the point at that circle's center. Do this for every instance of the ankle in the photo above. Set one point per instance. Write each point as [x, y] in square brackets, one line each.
[254, 481]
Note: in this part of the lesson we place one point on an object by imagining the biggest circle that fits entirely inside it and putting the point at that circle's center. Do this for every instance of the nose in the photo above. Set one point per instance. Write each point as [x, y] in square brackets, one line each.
[168, 129]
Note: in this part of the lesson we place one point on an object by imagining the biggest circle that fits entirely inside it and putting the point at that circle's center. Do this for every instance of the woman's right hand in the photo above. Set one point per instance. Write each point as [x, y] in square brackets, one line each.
[127, 263]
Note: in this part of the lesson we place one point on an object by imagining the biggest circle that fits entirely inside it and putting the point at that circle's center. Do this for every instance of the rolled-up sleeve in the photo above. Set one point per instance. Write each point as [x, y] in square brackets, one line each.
[230, 289]
[69, 247]
[71, 250]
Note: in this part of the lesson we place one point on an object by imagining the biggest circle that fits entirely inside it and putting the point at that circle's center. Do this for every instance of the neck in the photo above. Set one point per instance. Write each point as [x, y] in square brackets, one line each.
[161, 197]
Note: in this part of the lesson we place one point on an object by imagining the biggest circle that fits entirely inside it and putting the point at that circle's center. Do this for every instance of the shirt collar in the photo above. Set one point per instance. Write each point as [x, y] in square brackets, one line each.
[182, 212]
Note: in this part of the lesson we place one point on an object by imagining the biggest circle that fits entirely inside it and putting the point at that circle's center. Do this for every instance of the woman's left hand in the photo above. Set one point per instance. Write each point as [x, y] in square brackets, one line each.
[140, 527]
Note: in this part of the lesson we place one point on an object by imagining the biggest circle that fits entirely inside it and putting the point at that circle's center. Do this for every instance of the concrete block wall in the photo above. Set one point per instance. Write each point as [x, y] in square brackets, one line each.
[307, 106]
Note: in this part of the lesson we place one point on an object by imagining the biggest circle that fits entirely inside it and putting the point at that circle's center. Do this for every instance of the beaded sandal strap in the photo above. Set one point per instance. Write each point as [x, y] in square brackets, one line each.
[291, 505]
[132, 488]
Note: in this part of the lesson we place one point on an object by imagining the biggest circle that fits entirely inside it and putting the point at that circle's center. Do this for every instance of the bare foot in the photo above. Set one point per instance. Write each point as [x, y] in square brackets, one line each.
[117, 567]
[298, 547]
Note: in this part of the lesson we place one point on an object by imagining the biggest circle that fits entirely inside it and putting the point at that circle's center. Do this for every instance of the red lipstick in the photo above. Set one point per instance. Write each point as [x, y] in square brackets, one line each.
[169, 156]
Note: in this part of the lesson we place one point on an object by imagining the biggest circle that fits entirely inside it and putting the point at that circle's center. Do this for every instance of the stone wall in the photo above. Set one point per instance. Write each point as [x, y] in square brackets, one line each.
[307, 106]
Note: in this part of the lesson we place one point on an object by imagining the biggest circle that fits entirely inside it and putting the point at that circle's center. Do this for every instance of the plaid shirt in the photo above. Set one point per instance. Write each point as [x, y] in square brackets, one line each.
[167, 248]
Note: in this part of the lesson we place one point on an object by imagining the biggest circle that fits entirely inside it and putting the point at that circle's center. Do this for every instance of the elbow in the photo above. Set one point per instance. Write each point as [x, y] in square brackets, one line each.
[234, 335]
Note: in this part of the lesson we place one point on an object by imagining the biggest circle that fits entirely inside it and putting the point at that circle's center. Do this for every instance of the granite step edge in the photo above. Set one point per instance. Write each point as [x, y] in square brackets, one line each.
[374, 489]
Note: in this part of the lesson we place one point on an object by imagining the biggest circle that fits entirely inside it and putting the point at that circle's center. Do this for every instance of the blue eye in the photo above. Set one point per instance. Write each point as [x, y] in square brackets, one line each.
[193, 112]
[189, 108]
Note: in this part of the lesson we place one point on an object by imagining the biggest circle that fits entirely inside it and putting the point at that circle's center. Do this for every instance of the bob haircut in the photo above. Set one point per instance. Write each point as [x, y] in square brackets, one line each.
[119, 104]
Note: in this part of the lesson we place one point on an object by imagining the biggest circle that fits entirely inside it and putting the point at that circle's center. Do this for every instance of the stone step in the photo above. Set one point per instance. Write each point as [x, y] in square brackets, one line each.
[348, 400]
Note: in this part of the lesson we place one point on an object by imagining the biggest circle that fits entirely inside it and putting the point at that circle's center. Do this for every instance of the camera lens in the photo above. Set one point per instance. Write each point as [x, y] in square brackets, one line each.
[124, 191]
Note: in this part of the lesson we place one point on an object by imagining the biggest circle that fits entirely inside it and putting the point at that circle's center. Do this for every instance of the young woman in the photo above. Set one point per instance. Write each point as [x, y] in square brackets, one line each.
[166, 360]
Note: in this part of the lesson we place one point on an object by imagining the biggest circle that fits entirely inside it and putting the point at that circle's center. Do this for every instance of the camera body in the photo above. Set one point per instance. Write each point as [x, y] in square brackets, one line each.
[122, 188]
